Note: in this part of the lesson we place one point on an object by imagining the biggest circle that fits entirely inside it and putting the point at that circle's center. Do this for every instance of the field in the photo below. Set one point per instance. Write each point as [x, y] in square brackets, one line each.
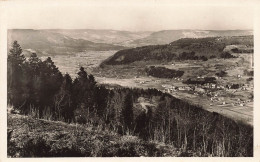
[71, 63]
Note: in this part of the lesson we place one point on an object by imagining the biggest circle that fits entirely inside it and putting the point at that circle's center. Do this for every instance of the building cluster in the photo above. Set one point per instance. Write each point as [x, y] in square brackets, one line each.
[210, 90]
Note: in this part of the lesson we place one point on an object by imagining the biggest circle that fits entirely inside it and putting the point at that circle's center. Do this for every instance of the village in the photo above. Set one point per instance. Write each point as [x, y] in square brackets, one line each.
[214, 92]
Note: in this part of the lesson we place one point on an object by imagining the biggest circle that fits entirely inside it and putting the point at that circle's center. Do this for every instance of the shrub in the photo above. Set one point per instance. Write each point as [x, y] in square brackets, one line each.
[227, 55]
[203, 58]
[221, 73]
[36, 147]
[80, 115]
[249, 79]
[212, 56]
[249, 72]
[234, 86]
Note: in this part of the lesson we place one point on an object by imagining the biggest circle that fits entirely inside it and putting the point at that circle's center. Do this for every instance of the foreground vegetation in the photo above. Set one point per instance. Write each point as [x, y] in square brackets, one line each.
[42, 92]
[40, 138]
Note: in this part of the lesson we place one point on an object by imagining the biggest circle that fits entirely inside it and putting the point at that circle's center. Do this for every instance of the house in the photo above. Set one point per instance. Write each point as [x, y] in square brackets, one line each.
[201, 90]
[188, 88]
[213, 85]
[228, 86]
[181, 88]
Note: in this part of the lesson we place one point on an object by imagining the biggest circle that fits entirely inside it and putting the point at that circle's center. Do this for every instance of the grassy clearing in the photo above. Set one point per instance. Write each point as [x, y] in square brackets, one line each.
[42, 138]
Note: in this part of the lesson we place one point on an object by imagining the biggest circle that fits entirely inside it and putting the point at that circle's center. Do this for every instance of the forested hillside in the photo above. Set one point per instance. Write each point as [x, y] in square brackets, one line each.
[38, 89]
[182, 49]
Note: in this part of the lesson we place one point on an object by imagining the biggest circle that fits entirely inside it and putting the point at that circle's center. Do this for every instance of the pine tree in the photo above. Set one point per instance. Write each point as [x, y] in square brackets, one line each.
[101, 95]
[63, 99]
[15, 62]
[35, 79]
[128, 111]
[84, 92]
[52, 80]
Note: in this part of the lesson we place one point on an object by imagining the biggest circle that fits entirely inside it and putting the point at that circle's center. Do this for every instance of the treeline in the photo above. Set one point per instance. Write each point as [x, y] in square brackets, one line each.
[227, 55]
[37, 88]
[221, 73]
[162, 72]
[200, 80]
[191, 56]
[239, 50]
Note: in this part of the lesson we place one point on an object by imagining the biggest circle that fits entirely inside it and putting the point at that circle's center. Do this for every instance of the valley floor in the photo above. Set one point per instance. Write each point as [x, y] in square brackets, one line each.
[233, 103]
[237, 105]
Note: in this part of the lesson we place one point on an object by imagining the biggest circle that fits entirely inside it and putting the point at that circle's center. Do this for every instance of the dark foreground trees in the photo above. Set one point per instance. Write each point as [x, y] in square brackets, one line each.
[15, 64]
[37, 88]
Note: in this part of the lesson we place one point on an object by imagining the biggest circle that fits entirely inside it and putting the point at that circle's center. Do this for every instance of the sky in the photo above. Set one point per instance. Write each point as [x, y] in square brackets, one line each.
[129, 16]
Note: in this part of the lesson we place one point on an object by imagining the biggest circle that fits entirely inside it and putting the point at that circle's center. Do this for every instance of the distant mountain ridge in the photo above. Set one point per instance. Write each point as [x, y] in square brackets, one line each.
[68, 41]
[168, 36]
[143, 38]
[50, 43]
[103, 36]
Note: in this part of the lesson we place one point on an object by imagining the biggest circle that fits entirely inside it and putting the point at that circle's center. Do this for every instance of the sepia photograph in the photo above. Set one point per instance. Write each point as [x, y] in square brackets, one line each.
[125, 79]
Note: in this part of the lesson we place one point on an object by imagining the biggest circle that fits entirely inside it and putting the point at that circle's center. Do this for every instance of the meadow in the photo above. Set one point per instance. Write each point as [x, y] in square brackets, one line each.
[71, 63]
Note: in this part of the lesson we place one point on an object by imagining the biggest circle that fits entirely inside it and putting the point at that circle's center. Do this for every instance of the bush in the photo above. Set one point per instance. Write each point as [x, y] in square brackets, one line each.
[234, 86]
[203, 58]
[221, 73]
[80, 115]
[249, 79]
[227, 55]
[249, 72]
[200, 81]
[36, 147]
